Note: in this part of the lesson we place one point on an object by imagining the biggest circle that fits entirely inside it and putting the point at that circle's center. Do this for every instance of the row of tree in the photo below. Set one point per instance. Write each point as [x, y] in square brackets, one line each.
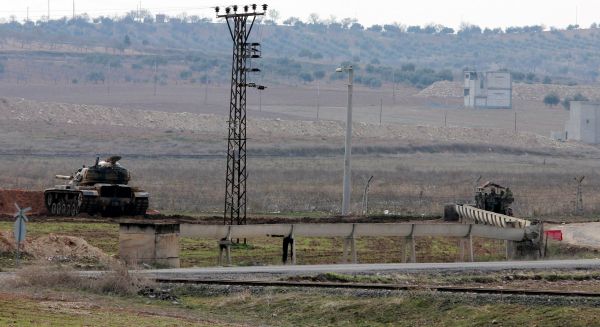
[313, 21]
[553, 99]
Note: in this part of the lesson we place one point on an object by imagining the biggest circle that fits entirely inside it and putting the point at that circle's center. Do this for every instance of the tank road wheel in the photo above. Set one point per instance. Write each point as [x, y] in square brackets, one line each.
[63, 209]
[54, 209]
[74, 209]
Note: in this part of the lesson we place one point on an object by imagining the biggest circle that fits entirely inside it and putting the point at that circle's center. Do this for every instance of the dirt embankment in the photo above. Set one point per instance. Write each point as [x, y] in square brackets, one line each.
[55, 248]
[33, 199]
[521, 91]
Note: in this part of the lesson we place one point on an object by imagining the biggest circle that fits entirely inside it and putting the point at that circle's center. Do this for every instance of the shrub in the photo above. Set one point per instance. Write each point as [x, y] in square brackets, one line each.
[551, 99]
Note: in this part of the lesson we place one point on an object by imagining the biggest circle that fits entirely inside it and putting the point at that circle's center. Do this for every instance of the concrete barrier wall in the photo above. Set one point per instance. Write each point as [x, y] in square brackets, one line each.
[490, 218]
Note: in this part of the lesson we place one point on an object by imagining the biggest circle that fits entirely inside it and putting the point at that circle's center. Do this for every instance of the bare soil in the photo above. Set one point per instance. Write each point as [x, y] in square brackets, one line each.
[51, 247]
[24, 198]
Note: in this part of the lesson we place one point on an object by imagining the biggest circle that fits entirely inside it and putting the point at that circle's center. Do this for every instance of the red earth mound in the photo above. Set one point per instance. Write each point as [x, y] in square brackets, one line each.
[33, 199]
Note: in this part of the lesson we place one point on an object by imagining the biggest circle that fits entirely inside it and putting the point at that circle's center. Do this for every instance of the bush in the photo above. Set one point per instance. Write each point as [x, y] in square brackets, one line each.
[96, 77]
[551, 99]
[577, 97]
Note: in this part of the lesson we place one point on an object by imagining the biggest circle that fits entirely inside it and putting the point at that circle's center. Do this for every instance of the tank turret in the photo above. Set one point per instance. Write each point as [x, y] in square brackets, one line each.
[101, 188]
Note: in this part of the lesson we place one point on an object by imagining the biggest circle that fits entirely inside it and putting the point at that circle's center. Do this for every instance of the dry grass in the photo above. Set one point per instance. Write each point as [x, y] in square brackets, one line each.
[117, 281]
[415, 184]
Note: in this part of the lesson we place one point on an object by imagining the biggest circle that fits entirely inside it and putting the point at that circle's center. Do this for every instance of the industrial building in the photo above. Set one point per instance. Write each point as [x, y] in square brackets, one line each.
[491, 90]
[584, 122]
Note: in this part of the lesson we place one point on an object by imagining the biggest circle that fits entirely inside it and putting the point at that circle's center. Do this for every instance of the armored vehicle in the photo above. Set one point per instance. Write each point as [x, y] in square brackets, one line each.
[489, 197]
[495, 198]
[98, 189]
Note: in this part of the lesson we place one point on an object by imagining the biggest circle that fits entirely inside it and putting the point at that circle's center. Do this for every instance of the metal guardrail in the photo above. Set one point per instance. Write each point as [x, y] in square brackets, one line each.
[490, 218]
[347, 230]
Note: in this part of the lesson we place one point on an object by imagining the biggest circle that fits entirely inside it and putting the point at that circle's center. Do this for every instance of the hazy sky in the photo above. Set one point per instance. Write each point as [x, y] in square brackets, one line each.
[485, 13]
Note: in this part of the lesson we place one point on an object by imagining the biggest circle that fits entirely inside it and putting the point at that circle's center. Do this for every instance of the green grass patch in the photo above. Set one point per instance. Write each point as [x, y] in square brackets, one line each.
[27, 312]
[298, 308]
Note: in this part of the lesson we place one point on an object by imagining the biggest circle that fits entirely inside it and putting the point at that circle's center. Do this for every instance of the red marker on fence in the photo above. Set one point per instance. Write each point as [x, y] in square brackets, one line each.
[555, 234]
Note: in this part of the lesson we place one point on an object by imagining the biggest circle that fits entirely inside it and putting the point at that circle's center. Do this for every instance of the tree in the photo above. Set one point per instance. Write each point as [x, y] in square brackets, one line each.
[291, 21]
[319, 74]
[95, 77]
[551, 99]
[347, 22]
[274, 15]
[408, 67]
[127, 41]
[185, 75]
[306, 77]
[375, 28]
[314, 18]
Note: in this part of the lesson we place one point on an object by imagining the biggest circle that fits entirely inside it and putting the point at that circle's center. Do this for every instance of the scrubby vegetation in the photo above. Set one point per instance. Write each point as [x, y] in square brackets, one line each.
[300, 51]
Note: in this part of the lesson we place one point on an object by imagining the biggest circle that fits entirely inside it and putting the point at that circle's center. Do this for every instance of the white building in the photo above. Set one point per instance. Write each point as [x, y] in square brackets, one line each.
[488, 90]
[584, 122]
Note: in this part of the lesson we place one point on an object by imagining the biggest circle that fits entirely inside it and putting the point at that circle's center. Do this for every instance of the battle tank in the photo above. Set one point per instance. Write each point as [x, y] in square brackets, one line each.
[98, 189]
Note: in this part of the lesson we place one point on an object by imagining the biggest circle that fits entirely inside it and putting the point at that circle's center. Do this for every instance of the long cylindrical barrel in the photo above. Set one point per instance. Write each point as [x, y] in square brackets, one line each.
[64, 177]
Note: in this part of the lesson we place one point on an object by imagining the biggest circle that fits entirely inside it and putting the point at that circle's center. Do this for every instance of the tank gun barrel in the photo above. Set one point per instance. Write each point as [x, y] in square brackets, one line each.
[64, 177]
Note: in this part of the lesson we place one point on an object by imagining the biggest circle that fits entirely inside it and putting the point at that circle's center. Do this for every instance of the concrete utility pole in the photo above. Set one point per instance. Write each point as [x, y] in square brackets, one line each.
[318, 99]
[579, 200]
[348, 147]
[48, 10]
[380, 110]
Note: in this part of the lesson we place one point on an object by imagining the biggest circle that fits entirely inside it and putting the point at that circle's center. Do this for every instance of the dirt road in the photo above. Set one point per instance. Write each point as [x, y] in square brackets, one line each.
[580, 234]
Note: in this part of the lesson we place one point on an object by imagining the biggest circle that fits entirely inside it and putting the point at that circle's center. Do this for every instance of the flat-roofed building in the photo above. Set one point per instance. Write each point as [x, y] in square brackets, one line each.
[584, 122]
[491, 90]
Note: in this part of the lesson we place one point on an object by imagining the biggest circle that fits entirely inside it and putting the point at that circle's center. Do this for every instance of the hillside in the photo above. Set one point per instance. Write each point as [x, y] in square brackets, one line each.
[198, 51]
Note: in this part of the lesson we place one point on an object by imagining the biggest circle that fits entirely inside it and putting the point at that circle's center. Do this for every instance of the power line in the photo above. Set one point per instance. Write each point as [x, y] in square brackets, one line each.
[240, 26]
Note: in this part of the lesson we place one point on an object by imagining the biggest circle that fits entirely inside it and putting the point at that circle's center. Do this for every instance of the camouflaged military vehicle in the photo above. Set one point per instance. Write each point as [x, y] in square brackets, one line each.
[98, 189]
[495, 198]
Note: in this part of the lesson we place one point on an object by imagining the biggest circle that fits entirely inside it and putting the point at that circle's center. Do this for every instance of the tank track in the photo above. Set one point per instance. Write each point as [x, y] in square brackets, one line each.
[62, 203]
[140, 206]
[88, 205]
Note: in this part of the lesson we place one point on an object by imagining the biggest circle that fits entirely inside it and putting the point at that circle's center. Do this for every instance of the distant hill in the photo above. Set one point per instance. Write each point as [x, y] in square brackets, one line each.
[199, 51]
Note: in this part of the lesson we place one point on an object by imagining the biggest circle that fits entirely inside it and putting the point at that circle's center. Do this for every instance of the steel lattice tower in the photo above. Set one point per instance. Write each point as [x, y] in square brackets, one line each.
[240, 25]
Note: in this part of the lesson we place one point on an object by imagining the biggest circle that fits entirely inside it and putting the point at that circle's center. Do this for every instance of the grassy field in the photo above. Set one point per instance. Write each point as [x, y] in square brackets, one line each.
[277, 307]
[306, 309]
[19, 311]
[405, 184]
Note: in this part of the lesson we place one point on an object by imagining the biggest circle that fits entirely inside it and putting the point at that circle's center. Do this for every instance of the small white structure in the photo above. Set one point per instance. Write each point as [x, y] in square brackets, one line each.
[584, 122]
[491, 90]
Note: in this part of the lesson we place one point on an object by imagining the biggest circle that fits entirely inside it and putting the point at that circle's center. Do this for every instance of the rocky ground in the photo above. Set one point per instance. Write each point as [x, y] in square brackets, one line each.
[266, 130]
